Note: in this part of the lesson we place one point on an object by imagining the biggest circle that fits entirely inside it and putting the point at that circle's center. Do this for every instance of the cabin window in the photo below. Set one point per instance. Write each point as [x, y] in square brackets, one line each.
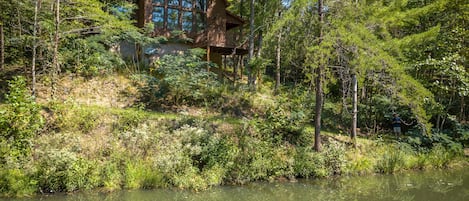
[160, 2]
[158, 16]
[186, 15]
[201, 5]
[200, 22]
[173, 18]
[173, 2]
[187, 4]
[187, 21]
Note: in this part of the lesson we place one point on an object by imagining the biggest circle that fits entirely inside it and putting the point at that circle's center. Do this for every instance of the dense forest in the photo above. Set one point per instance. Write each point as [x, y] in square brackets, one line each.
[313, 97]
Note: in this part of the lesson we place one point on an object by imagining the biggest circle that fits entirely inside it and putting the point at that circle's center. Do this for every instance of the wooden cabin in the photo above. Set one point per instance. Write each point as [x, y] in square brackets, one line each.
[206, 22]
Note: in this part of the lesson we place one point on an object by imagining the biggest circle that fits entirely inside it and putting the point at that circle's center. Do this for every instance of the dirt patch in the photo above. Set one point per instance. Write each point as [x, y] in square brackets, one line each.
[115, 91]
[466, 151]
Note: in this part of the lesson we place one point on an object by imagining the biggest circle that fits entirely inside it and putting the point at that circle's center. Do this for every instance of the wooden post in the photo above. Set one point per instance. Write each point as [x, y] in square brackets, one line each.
[235, 68]
[222, 73]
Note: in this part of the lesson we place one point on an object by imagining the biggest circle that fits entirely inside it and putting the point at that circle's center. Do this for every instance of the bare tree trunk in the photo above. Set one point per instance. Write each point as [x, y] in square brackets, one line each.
[56, 65]
[2, 46]
[319, 92]
[462, 115]
[239, 58]
[278, 61]
[222, 72]
[33, 63]
[355, 111]
[251, 76]
[258, 76]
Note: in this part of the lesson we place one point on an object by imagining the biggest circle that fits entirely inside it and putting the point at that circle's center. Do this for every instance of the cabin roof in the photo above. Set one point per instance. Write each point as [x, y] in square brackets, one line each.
[233, 20]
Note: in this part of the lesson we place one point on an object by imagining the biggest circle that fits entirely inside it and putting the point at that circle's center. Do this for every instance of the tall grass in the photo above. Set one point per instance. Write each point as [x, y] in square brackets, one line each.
[133, 149]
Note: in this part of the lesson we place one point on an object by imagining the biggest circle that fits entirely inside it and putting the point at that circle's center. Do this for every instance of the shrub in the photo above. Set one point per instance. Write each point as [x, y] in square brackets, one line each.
[63, 171]
[20, 120]
[439, 156]
[390, 161]
[334, 154]
[179, 79]
[359, 164]
[309, 163]
[16, 182]
[111, 175]
[69, 117]
[140, 174]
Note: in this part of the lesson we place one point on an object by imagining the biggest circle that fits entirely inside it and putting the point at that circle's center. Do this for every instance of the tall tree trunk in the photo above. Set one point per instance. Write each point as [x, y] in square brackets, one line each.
[462, 105]
[251, 75]
[355, 111]
[2, 46]
[258, 76]
[278, 61]
[319, 92]
[33, 63]
[239, 58]
[56, 65]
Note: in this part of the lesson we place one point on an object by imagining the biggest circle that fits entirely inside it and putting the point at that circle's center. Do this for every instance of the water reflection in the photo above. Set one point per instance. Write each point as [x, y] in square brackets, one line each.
[426, 186]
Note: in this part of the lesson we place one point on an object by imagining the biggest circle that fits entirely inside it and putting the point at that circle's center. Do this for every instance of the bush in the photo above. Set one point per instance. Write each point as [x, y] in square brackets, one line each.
[63, 171]
[20, 120]
[140, 174]
[391, 160]
[334, 154]
[309, 163]
[70, 117]
[179, 79]
[439, 156]
[16, 182]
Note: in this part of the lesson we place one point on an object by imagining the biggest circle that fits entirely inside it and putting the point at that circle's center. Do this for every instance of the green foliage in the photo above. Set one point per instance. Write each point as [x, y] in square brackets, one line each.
[179, 79]
[16, 183]
[129, 119]
[111, 175]
[20, 120]
[392, 160]
[309, 163]
[64, 171]
[140, 174]
[236, 102]
[72, 117]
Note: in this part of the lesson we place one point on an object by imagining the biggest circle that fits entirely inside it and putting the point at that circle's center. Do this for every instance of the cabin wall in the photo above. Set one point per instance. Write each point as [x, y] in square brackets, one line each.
[216, 23]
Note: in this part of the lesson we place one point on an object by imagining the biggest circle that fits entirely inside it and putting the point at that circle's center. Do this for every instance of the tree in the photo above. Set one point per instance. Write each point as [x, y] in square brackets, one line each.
[319, 77]
[55, 60]
[33, 62]
[251, 74]
[2, 46]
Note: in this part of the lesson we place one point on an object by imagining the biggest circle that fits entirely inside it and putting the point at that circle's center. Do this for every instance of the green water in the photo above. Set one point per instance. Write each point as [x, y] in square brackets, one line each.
[451, 185]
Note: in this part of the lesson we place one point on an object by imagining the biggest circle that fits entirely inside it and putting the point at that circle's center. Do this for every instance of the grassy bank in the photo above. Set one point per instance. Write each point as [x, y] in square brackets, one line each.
[89, 147]
[106, 133]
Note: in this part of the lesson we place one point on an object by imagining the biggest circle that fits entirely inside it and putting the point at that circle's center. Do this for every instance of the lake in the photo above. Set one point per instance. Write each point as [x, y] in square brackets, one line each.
[451, 185]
